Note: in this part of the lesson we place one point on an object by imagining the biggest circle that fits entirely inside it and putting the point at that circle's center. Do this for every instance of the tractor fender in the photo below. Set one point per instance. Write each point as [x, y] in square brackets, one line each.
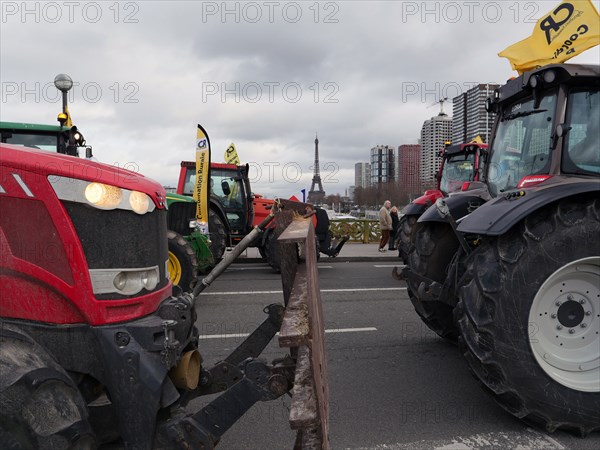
[415, 209]
[497, 216]
[459, 206]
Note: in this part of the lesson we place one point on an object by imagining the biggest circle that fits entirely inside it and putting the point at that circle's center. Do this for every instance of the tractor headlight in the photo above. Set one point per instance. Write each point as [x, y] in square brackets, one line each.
[139, 202]
[100, 195]
[103, 196]
[124, 281]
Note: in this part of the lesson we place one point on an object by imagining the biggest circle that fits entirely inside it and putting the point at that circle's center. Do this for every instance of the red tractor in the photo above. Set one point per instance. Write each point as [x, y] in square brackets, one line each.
[460, 163]
[234, 210]
[93, 346]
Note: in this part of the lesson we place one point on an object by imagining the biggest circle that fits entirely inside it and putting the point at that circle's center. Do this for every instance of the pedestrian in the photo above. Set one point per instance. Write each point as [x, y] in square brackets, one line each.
[395, 227]
[385, 224]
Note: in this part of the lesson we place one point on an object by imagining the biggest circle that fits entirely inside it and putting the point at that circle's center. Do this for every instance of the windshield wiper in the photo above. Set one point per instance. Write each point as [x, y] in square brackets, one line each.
[523, 114]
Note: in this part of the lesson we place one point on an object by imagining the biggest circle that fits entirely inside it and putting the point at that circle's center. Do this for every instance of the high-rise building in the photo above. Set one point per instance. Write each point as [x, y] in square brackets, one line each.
[469, 117]
[382, 164]
[407, 173]
[362, 175]
[434, 134]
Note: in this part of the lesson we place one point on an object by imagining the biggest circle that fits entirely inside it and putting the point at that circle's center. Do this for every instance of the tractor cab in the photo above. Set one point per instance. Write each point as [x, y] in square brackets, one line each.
[462, 163]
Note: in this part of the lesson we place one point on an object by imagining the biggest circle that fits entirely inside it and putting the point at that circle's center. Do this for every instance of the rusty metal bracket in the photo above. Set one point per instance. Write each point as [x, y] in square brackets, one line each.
[303, 332]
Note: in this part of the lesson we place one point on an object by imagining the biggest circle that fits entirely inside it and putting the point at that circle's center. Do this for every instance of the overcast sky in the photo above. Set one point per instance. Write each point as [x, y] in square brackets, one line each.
[264, 75]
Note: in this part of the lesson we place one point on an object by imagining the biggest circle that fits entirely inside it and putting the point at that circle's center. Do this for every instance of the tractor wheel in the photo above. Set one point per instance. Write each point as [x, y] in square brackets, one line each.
[262, 252]
[529, 317]
[218, 235]
[407, 224]
[272, 251]
[434, 248]
[40, 406]
[182, 263]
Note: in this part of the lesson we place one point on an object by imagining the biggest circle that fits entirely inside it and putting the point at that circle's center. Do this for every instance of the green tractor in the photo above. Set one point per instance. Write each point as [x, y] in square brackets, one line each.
[189, 248]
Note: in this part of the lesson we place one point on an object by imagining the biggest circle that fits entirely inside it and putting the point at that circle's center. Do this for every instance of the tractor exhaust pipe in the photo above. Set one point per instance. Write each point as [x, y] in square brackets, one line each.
[237, 250]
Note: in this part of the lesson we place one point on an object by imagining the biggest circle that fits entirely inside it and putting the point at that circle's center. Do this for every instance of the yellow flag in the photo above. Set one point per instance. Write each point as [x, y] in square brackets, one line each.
[477, 140]
[568, 30]
[201, 193]
[231, 156]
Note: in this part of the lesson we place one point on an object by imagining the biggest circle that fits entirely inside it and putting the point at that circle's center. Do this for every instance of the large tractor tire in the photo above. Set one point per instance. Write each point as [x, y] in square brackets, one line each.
[218, 235]
[407, 224]
[40, 406]
[182, 263]
[529, 317]
[271, 249]
[435, 245]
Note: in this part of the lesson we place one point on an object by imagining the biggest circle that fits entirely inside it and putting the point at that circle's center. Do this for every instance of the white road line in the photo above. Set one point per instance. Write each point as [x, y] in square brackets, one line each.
[265, 267]
[527, 439]
[322, 290]
[388, 265]
[335, 330]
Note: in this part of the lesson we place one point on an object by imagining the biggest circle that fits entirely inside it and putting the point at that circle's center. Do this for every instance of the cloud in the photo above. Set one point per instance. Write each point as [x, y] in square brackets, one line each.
[254, 73]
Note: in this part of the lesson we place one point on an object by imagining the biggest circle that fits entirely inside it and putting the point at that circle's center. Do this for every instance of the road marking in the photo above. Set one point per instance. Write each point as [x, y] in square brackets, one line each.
[331, 331]
[388, 265]
[266, 267]
[528, 439]
[322, 290]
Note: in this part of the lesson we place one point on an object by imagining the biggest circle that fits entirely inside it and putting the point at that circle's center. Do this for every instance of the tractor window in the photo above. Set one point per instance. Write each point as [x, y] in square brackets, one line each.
[229, 192]
[582, 146]
[189, 182]
[47, 142]
[522, 143]
[457, 170]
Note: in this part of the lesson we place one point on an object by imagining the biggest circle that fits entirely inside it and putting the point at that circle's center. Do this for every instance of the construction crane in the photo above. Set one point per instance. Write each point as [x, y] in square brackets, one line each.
[441, 103]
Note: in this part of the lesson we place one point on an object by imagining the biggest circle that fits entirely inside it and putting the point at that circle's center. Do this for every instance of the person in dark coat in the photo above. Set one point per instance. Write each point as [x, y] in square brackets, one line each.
[395, 228]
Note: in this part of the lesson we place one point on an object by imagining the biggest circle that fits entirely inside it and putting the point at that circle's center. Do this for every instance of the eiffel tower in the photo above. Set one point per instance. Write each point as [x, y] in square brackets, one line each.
[316, 196]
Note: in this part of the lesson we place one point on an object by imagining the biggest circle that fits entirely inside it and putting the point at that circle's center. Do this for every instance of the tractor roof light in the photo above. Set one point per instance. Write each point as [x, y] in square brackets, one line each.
[63, 82]
[62, 119]
[549, 76]
[534, 81]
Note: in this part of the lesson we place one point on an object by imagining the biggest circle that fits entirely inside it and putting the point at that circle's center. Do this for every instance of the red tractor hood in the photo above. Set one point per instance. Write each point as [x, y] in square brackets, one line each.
[46, 163]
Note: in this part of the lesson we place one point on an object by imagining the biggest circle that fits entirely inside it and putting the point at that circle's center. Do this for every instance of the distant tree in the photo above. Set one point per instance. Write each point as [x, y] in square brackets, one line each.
[373, 197]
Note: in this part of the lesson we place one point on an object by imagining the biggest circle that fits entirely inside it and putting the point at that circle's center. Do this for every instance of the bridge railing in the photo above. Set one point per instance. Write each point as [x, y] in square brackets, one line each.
[359, 230]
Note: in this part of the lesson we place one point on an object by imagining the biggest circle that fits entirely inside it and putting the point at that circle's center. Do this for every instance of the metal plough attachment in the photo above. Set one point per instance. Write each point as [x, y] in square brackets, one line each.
[303, 331]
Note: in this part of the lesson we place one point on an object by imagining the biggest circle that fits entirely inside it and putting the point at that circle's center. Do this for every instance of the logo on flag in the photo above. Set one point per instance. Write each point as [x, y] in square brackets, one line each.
[567, 31]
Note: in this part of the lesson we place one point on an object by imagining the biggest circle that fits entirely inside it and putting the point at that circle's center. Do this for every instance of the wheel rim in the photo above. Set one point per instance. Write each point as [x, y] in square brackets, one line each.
[174, 268]
[564, 322]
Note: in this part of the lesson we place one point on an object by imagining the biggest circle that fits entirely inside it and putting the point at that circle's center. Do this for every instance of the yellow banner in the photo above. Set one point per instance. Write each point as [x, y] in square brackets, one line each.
[567, 31]
[201, 190]
[231, 155]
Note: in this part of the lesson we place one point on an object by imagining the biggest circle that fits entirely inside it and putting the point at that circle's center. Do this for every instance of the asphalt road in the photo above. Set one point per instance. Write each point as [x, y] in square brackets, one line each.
[393, 383]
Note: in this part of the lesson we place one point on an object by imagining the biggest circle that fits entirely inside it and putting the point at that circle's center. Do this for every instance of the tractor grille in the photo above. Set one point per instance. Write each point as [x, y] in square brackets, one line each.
[121, 239]
[179, 216]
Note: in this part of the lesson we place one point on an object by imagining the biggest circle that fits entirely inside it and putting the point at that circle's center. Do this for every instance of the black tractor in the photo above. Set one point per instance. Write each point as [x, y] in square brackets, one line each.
[511, 265]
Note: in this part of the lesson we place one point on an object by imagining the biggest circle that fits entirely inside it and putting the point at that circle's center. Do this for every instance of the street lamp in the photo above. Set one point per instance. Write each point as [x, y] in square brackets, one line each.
[63, 83]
